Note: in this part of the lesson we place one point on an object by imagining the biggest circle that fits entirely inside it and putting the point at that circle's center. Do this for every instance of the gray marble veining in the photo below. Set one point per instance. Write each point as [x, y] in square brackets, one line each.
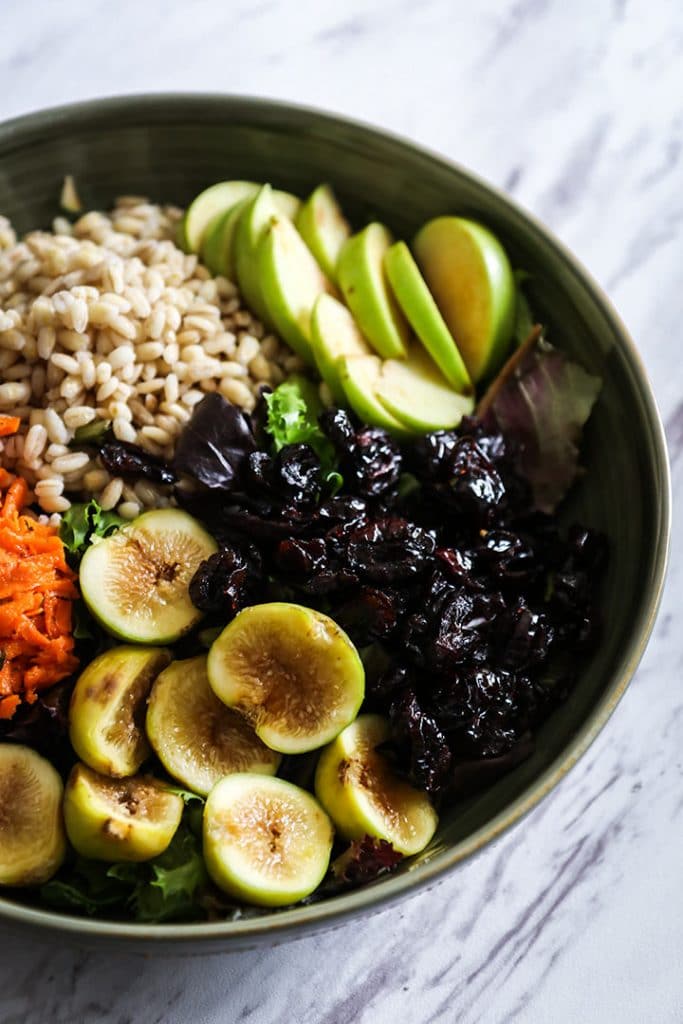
[576, 109]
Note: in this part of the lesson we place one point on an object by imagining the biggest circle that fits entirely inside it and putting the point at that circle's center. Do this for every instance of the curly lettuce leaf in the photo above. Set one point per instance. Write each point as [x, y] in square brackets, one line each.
[542, 405]
[86, 887]
[82, 522]
[293, 411]
[166, 888]
[170, 894]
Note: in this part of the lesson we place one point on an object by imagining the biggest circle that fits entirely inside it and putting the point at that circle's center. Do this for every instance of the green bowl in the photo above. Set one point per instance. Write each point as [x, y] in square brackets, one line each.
[169, 147]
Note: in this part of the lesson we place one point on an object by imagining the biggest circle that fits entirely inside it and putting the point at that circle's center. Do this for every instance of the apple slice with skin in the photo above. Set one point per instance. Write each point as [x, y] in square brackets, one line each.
[249, 230]
[362, 279]
[334, 333]
[359, 377]
[324, 228]
[290, 282]
[218, 245]
[416, 301]
[206, 205]
[417, 395]
[469, 275]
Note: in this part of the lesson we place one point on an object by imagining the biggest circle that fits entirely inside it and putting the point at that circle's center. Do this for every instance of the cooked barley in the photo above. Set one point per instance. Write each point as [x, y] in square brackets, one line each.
[93, 318]
[111, 494]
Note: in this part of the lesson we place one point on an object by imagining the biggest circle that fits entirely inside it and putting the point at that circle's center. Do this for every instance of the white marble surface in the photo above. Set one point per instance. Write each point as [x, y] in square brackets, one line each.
[577, 109]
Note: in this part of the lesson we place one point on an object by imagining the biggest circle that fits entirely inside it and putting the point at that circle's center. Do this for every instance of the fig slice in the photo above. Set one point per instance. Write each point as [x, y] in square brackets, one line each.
[119, 819]
[362, 794]
[107, 711]
[32, 840]
[195, 736]
[291, 671]
[266, 841]
[136, 581]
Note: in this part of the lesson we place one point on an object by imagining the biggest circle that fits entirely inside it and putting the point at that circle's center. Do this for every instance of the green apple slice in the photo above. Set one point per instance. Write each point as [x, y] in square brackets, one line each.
[286, 204]
[266, 841]
[362, 279]
[362, 794]
[324, 228]
[290, 281]
[217, 245]
[206, 205]
[415, 392]
[291, 671]
[416, 301]
[469, 275]
[250, 226]
[218, 248]
[136, 581]
[359, 376]
[334, 333]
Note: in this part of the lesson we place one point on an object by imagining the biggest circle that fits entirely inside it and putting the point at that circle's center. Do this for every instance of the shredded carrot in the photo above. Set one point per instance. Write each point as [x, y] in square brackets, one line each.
[9, 425]
[37, 591]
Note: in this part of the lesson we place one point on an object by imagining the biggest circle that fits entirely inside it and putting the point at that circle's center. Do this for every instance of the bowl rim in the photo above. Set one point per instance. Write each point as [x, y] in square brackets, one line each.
[303, 920]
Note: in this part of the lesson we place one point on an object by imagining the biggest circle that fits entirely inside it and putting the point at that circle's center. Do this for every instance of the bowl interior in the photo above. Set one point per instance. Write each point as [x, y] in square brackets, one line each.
[171, 147]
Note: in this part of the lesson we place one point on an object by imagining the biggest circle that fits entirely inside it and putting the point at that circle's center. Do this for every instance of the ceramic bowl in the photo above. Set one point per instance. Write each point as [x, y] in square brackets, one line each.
[169, 147]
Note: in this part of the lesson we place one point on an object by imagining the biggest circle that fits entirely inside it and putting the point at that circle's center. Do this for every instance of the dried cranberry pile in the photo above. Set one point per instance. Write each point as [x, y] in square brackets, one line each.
[470, 609]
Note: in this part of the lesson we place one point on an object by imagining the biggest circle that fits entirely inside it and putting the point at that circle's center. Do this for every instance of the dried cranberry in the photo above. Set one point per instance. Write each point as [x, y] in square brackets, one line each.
[392, 680]
[300, 557]
[429, 457]
[388, 550]
[297, 474]
[459, 565]
[339, 427]
[364, 860]
[370, 459]
[508, 557]
[475, 487]
[465, 628]
[527, 640]
[483, 712]
[370, 614]
[223, 583]
[374, 464]
[293, 477]
[132, 462]
[421, 742]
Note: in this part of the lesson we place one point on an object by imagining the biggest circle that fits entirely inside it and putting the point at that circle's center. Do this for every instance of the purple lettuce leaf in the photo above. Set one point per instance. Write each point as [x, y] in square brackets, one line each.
[541, 402]
[215, 443]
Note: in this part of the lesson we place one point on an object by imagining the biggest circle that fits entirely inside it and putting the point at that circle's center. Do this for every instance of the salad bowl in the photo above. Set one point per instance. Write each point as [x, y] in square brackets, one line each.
[169, 147]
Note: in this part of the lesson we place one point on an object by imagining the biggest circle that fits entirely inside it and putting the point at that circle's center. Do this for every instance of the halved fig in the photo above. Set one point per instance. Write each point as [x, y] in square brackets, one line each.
[119, 819]
[136, 581]
[362, 794]
[266, 841]
[107, 711]
[196, 737]
[32, 840]
[291, 671]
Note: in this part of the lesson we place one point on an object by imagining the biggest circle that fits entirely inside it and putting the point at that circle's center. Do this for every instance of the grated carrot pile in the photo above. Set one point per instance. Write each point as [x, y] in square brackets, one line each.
[37, 591]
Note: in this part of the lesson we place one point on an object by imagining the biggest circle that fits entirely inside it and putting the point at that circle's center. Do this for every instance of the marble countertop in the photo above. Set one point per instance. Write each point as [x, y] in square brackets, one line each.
[577, 110]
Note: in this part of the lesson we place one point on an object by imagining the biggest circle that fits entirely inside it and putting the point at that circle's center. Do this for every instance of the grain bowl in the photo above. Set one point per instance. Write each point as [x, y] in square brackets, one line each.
[123, 310]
